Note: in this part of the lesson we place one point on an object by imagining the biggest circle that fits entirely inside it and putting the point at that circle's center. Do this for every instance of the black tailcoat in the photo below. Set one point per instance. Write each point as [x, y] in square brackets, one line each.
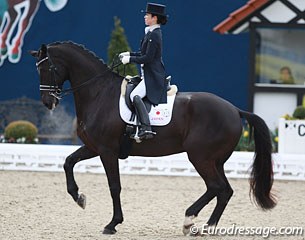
[154, 71]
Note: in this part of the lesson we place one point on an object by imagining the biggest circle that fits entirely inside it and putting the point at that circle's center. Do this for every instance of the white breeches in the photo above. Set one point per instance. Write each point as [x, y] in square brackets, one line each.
[140, 90]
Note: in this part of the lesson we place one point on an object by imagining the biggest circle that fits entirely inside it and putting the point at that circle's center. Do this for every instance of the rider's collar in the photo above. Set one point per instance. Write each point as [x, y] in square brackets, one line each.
[151, 28]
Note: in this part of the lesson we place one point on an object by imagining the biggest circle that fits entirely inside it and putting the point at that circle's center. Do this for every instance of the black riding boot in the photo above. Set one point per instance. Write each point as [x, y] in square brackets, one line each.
[145, 131]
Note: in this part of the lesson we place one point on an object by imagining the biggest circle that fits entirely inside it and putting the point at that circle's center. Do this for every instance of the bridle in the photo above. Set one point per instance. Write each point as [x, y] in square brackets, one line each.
[56, 90]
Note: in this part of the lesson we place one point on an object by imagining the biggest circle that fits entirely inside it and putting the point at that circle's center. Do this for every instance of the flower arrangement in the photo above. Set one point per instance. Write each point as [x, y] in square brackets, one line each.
[298, 114]
[246, 142]
[20, 132]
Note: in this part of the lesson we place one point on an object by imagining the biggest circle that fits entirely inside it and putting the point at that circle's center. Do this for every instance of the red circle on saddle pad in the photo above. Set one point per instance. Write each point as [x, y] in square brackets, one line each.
[158, 113]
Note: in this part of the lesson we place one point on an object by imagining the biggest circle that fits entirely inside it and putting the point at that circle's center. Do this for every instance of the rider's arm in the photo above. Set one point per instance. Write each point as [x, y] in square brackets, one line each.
[133, 54]
[152, 46]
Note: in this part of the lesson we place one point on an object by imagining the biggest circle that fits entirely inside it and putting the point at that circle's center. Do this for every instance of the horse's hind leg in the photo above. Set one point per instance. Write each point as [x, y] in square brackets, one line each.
[194, 210]
[80, 154]
[223, 198]
[217, 186]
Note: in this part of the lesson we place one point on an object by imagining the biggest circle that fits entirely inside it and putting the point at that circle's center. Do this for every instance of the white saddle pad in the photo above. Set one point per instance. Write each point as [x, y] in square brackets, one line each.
[160, 115]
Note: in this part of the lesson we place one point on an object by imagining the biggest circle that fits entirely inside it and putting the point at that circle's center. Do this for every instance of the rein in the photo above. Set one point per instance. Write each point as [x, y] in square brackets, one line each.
[56, 91]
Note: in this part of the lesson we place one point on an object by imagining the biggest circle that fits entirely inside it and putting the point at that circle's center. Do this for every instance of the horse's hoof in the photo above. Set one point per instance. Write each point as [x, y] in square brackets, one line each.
[81, 201]
[109, 231]
[192, 230]
[186, 230]
[188, 225]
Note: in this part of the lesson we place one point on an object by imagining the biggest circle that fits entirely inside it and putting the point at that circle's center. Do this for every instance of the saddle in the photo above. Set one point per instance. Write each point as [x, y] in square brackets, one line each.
[132, 83]
[160, 115]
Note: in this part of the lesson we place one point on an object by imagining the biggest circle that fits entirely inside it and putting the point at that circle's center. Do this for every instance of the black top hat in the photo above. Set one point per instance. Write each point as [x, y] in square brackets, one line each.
[157, 9]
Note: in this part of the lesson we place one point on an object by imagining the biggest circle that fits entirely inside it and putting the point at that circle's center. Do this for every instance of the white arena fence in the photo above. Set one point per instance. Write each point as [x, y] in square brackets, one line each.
[50, 158]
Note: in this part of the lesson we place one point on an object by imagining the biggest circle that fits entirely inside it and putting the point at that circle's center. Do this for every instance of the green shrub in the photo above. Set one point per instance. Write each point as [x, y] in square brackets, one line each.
[299, 112]
[21, 132]
[117, 44]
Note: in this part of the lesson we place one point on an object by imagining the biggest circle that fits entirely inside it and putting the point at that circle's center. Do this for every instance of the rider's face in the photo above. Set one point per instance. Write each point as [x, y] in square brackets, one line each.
[149, 19]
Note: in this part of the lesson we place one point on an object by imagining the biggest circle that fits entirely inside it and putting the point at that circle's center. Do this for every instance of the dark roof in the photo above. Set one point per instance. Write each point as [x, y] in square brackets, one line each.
[239, 15]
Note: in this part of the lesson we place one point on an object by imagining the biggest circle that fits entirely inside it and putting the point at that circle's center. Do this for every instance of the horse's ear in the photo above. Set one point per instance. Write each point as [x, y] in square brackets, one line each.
[43, 49]
[33, 53]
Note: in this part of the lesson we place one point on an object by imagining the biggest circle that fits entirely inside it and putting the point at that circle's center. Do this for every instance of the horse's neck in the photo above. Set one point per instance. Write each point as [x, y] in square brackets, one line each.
[101, 93]
[103, 88]
[82, 72]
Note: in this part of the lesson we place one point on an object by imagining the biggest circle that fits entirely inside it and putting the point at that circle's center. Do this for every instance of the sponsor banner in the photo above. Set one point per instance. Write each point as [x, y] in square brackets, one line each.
[292, 136]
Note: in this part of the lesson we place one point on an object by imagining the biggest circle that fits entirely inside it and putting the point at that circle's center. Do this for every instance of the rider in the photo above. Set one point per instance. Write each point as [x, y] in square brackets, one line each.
[153, 84]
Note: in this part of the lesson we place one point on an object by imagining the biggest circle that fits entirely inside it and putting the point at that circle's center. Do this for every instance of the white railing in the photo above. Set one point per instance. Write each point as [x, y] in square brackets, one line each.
[51, 158]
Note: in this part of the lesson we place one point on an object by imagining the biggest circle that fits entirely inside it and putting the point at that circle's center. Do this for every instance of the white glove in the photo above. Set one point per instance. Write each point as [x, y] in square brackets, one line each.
[125, 59]
[123, 54]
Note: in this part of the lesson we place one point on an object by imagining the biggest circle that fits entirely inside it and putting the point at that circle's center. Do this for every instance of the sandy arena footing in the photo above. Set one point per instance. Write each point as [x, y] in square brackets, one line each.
[36, 205]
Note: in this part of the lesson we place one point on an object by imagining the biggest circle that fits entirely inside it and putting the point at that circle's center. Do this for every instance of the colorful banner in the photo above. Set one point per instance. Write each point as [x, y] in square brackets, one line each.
[16, 17]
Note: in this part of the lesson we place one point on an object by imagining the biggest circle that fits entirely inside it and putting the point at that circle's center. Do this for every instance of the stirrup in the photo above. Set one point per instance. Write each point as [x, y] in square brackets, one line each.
[147, 134]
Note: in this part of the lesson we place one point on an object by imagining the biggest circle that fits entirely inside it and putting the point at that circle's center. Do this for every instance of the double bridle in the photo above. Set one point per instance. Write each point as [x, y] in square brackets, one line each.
[56, 90]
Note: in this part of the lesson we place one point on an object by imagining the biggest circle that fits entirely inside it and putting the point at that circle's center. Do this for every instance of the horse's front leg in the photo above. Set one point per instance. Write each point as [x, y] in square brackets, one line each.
[111, 166]
[80, 154]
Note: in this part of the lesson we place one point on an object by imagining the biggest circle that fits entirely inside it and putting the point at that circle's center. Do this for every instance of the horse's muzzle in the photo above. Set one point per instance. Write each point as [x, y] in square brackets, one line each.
[49, 101]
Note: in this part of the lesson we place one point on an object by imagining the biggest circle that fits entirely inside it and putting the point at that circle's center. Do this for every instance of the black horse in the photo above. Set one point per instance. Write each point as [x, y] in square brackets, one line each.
[205, 126]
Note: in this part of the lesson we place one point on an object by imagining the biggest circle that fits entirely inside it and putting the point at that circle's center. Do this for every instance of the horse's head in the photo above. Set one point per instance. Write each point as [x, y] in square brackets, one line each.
[51, 77]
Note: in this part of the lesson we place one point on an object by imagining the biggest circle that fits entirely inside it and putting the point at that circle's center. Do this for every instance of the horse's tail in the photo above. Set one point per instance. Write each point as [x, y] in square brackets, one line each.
[261, 178]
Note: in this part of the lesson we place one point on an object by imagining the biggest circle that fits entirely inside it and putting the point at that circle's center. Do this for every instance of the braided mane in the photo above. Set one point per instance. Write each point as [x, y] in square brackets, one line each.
[80, 47]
